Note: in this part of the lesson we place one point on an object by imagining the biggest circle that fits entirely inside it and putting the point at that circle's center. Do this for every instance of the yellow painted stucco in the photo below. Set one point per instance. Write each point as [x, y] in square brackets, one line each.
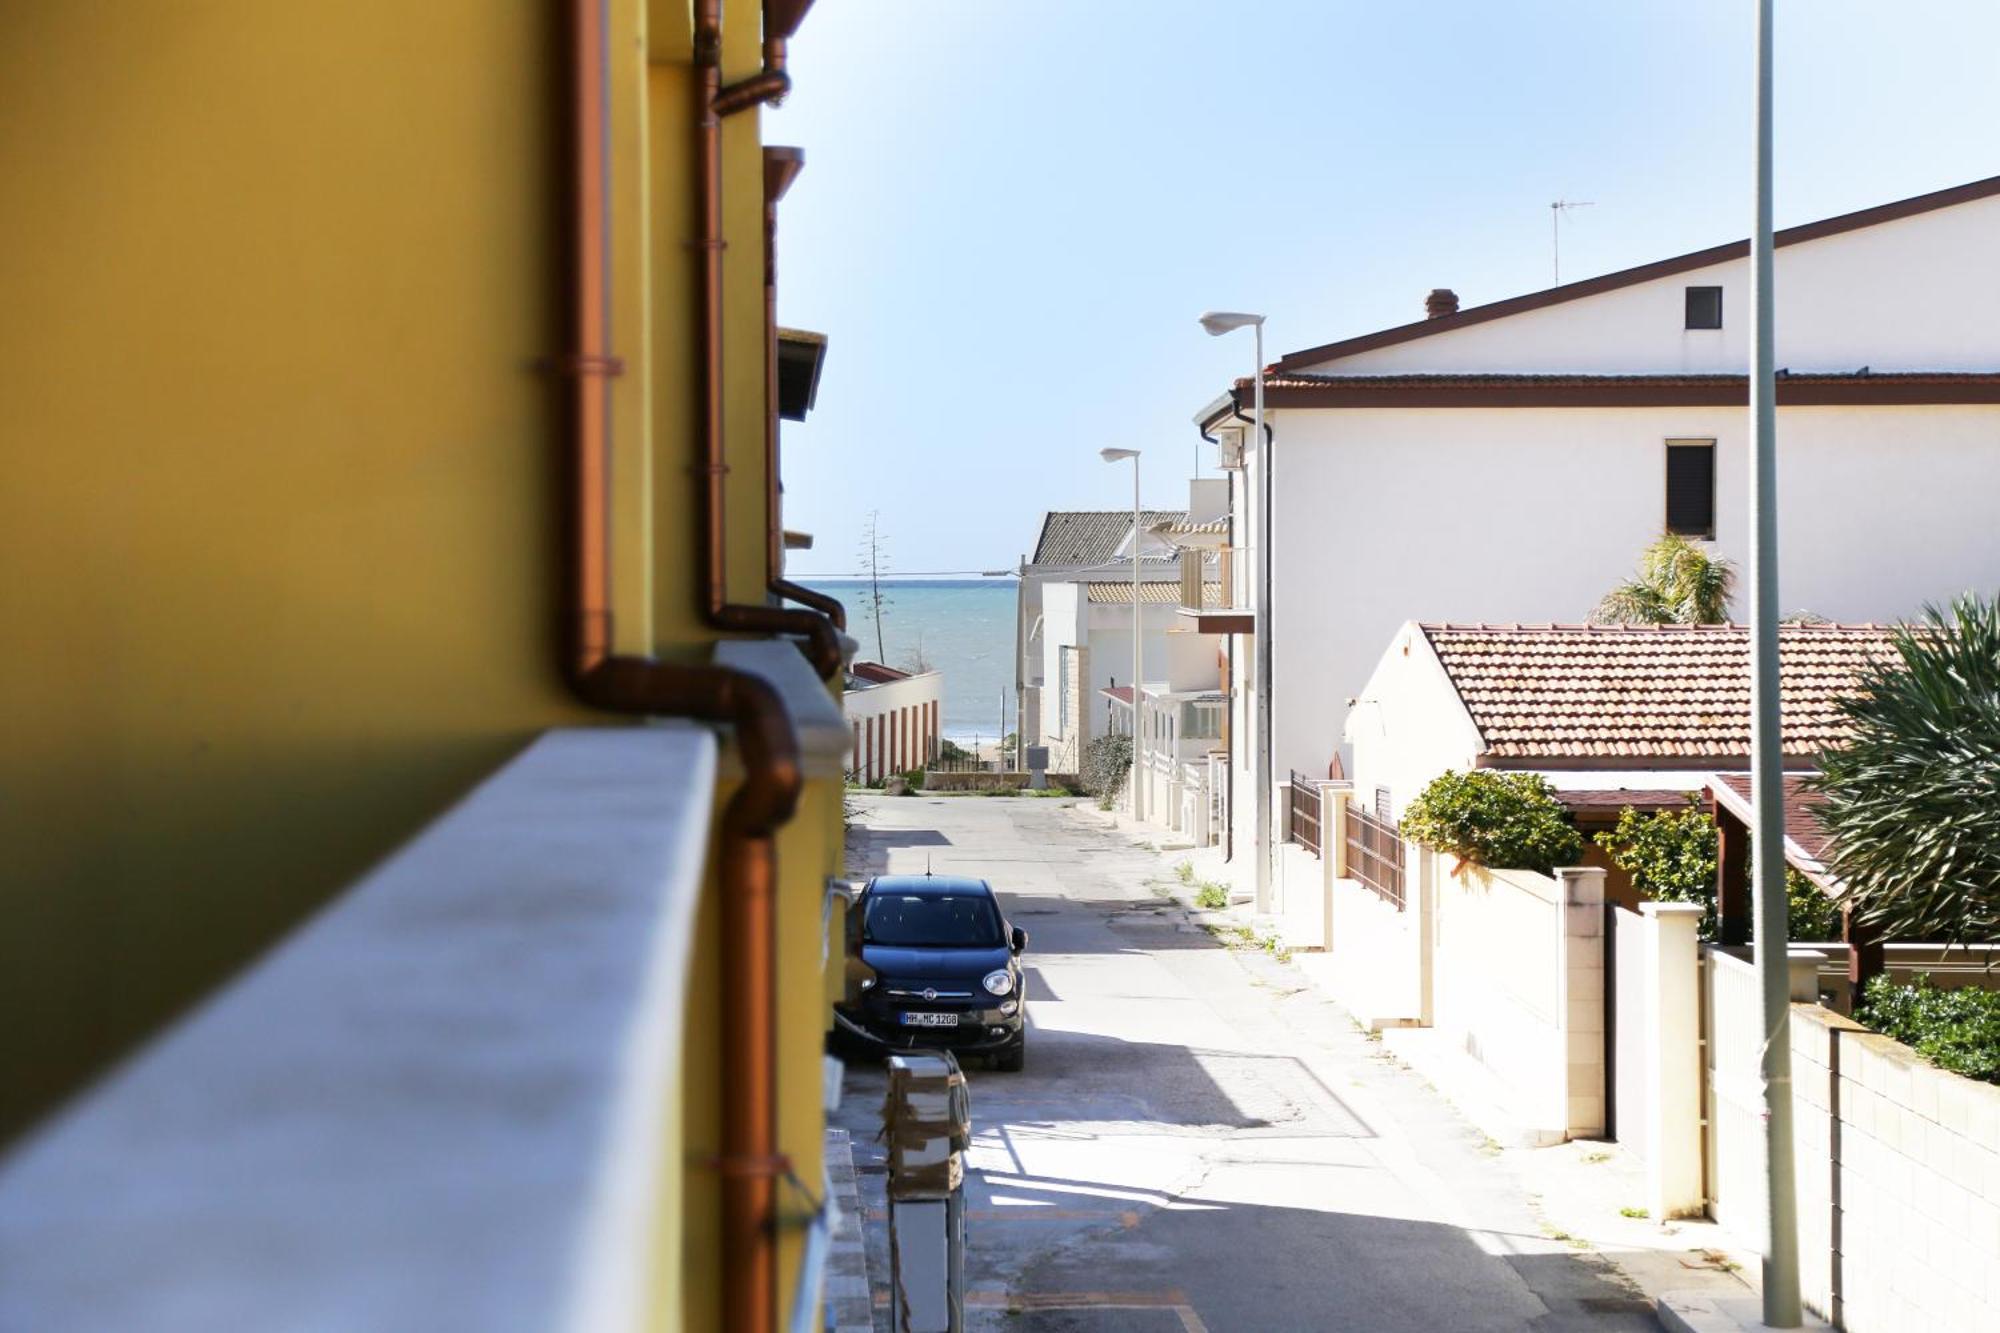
[278, 533]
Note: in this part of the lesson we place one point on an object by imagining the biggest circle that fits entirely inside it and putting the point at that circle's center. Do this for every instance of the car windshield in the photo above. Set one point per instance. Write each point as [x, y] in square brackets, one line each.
[931, 920]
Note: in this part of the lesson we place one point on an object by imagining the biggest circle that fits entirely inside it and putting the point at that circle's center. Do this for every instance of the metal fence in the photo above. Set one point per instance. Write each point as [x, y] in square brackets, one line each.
[1303, 813]
[1375, 855]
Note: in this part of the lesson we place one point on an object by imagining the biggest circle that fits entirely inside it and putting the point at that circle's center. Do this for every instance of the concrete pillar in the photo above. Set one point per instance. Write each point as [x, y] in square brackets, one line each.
[1580, 1006]
[1671, 996]
[1805, 965]
[1420, 872]
[1332, 852]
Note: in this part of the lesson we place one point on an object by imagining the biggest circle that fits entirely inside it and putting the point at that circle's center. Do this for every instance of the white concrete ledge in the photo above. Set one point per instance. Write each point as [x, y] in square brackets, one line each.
[824, 736]
[439, 1104]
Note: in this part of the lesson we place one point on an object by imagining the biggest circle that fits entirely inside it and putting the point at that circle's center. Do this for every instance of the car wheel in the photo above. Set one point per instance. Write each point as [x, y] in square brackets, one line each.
[1013, 1059]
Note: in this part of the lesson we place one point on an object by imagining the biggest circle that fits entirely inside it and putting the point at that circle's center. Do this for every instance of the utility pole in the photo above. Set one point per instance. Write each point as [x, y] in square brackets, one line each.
[1767, 792]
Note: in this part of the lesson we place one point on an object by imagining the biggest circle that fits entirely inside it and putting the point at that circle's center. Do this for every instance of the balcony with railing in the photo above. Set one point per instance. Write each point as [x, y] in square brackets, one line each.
[1217, 589]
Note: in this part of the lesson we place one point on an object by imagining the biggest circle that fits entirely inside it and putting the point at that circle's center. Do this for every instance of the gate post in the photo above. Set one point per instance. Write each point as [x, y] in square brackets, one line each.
[1332, 853]
[1580, 999]
[1671, 1049]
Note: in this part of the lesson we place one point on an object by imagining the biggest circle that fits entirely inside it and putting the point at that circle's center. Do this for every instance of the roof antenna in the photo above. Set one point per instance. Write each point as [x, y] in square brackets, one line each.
[927, 865]
[1556, 210]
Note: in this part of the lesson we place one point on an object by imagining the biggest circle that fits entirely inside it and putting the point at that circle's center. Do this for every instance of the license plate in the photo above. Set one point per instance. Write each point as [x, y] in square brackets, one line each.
[930, 1020]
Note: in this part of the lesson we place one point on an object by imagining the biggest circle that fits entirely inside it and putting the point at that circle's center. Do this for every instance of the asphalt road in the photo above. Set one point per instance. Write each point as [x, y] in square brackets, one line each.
[1201, 1141]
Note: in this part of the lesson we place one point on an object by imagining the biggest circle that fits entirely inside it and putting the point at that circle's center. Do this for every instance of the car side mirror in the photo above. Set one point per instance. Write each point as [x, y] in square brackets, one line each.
[1018, 941]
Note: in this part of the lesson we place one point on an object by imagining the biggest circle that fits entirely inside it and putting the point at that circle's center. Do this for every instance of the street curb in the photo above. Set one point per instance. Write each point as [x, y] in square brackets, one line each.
[1705, 1312]
[850, 1303]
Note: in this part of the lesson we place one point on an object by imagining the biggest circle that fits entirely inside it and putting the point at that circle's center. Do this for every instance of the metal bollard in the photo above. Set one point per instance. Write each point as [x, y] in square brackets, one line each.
[927, 1119]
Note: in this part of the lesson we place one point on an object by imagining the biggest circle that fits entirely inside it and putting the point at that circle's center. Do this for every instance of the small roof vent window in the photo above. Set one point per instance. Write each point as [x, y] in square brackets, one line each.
[1704, 307]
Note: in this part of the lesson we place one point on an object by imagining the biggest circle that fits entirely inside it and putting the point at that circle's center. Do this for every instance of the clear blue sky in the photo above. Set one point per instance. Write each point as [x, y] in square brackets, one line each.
[1012, 211]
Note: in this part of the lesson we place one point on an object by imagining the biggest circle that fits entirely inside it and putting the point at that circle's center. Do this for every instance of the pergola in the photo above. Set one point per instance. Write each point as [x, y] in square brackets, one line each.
[1806, 847]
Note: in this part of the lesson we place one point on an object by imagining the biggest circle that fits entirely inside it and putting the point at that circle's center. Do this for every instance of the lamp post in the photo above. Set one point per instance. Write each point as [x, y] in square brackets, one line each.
[1767, 793]
[1138, 733]
[1216, 323]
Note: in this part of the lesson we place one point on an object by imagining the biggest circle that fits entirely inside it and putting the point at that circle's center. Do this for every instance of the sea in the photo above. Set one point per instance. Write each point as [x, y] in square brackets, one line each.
[961, 627]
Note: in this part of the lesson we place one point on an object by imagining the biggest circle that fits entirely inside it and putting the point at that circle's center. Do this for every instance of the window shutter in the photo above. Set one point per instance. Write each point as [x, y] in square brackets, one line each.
[1704, 307]
[1691, 488]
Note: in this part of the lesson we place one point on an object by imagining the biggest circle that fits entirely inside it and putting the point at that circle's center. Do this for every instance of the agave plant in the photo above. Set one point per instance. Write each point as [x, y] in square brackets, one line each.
[1678, 584]
[1913, 799]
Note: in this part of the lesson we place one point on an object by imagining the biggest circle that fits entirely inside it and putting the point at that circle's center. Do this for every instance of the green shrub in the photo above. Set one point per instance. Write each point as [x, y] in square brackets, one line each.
[1957, 1030]
[1185, 871]
[1503, 821]
[1671, 856]
[1106, 763]
[913, 780]
[1211, 897]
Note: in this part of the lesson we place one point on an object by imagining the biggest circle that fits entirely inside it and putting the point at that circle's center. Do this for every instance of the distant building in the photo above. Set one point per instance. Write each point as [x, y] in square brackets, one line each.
[1508, 461]
[894, 717]
[1074, 544]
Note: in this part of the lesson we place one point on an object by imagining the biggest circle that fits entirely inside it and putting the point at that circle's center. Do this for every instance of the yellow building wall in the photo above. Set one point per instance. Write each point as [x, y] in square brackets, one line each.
[278, 533]
[276, 529]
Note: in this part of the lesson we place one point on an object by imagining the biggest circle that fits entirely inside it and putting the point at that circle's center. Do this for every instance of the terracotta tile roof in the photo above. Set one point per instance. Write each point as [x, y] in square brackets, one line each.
[1158, 592]
[1808, 845]
[875, 673]
[1635, 696]
[1092, 536]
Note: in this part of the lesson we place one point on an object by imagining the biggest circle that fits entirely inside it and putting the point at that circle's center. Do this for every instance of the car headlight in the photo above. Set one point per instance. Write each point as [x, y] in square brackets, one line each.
[867, 983]
[999, 982]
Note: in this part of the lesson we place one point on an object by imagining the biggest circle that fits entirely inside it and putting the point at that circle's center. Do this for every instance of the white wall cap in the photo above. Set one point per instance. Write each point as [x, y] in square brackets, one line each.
[823, 735]
[438, 1104]
[1672, 909]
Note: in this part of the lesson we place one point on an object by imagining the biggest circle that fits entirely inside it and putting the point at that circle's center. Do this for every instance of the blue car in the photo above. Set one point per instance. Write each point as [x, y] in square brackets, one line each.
[940, 970]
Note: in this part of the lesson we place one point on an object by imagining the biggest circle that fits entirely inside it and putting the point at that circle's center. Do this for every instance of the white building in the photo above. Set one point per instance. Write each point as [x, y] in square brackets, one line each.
[894, 717]
[1081, 638]
[1074, 544]
[1508, 462]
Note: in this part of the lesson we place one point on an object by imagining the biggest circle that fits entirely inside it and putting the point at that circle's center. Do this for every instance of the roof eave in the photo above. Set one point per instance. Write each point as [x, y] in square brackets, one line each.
[1716, 254]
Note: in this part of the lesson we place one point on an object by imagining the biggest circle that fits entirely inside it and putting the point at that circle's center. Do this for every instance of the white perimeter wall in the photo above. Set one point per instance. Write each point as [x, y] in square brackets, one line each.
[1922, 293]
[916, 704]
[1519, 514]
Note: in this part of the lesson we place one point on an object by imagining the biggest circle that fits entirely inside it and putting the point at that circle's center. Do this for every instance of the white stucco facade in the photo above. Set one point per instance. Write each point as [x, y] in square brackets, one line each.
[1388, 514]
[1099, 636]
[1918, 293]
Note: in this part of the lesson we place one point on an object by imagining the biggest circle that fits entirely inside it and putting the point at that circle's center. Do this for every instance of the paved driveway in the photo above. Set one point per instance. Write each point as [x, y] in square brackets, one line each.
[1200, 1141]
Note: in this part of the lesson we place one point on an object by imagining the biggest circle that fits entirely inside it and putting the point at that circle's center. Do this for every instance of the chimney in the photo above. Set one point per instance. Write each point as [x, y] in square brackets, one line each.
[1441, 302]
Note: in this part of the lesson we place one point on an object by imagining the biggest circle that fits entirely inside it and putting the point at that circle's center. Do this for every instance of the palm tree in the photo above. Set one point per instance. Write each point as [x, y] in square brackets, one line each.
[1913, 796]
[1678, 584]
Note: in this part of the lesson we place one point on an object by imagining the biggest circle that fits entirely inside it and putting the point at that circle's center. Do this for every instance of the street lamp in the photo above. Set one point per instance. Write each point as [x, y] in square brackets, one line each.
[1216, 323]
[1138, 735]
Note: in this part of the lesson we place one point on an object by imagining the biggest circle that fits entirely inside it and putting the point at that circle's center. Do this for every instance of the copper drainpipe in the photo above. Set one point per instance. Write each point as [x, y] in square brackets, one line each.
[823, 639]
[772, 777]
[781, 168]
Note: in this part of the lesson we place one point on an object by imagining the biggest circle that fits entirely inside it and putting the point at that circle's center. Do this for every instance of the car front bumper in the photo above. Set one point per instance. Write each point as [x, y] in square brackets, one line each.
[978, 1031]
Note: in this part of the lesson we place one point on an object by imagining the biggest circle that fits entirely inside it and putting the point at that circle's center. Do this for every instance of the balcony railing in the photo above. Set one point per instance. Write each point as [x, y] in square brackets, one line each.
[1217, 588]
